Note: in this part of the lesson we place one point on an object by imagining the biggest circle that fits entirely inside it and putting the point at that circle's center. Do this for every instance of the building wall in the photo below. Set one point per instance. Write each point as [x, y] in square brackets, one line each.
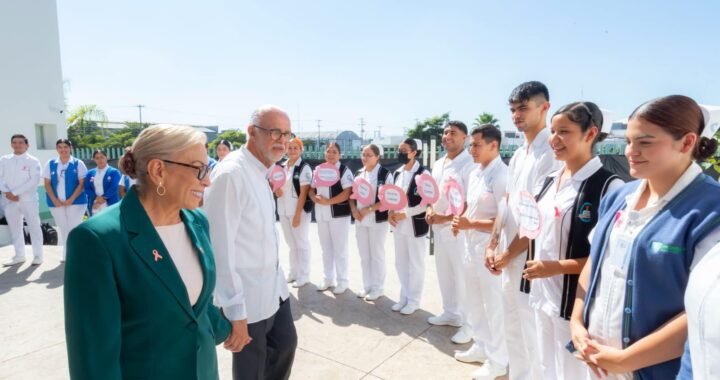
[31, 85]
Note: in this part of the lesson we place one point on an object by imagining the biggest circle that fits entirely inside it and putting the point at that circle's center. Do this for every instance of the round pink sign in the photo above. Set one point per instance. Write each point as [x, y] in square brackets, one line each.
[392, 198]
[528, 215]
[326, 174]
[362, 191]
[277, 177]
[454, 196]
[427, 188]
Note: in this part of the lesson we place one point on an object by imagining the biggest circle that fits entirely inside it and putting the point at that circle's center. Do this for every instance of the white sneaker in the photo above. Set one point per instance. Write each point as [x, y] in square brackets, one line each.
[464, 335]
[374, 295]
[37, 261]
[398, 306]
[299, 284]
[14, 261]
[474, 355]
[362, 294]
[340, 289]
[408, 309]
[444, 320]
[489, 371]
[325, 285]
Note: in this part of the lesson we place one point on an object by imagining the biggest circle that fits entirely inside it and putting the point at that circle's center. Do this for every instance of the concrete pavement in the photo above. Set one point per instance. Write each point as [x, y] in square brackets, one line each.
[340, 337]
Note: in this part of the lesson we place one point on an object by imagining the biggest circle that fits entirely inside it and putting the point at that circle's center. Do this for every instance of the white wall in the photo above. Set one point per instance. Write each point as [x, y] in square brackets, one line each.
[31, 85]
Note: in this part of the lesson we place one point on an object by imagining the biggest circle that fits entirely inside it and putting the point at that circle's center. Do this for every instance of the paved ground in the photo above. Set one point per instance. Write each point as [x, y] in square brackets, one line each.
[340, 337]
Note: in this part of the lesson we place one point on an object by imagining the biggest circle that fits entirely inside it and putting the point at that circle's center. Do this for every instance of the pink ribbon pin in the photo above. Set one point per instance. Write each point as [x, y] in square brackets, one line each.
[156, 255]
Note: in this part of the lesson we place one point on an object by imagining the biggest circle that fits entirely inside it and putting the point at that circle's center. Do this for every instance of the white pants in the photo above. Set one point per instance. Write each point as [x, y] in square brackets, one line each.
[67, 218]
[449, 255]
[520, 336]
[298, 242]
[485, 306]
[556, 362]
[14, 213]
[371, 246]
[410, 252]
[334, 242]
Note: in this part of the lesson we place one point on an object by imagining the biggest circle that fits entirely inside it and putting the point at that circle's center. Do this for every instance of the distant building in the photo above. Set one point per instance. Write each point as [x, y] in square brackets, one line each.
[347, 140]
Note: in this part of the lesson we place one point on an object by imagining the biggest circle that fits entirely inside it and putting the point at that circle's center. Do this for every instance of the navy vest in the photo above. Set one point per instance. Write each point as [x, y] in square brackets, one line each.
[308, 205]
[420, 225]
[380, 216]
[660, 263]
[585, 217]
[341, 209]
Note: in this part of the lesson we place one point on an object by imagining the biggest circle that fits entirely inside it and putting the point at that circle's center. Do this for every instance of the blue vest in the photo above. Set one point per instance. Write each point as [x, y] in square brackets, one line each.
[110, 180]
[71, 181]
[660, 263]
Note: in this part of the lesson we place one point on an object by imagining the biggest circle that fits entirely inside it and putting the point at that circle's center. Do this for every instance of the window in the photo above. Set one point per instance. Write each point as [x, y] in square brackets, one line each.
[45, 136]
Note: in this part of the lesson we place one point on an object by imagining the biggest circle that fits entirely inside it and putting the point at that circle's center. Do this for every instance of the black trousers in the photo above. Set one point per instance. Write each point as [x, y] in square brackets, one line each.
[271, 353]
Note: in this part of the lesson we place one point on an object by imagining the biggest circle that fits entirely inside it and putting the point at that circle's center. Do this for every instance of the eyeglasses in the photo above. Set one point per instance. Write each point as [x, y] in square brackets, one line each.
[203, 169]
[275, 134]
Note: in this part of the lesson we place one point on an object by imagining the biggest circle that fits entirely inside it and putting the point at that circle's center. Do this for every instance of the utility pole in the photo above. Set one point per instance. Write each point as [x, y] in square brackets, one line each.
[317, 142]
[140, 107]
[362, 131]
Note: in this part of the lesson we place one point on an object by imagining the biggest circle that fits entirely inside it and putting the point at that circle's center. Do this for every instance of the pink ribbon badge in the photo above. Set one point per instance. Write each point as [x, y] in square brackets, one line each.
[156, 255]
[454, 195]
[392, 198]
[277, 177]
[427, 188]
[528, 214]
[362, 191]
[326, 174]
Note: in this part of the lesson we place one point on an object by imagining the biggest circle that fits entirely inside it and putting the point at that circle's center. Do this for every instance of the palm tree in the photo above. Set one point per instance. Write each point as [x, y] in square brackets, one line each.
[89, 113]
[486, 118]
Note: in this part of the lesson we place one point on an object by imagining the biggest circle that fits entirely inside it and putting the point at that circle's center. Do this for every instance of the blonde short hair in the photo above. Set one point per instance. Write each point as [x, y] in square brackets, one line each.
[158, 141]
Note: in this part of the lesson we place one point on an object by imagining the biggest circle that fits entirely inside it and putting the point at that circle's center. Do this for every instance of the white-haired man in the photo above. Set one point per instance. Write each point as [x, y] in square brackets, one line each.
[251, 287]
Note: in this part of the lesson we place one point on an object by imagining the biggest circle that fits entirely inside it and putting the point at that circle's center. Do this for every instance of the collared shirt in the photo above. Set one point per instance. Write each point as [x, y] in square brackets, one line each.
[61, 169]
[287, 203]
[528, 168]
[556, 212]
[606, 312]
[20, 175]
[323, 212]
[458, 168]
[405, 177]
[486, 188]
[241, 212]
[372, 178]
[98, 181]
[702, 304]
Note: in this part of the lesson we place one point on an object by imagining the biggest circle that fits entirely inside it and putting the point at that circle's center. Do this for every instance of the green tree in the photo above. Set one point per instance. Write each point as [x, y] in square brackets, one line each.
[430, 128]
[86, 126]
[486, 118]
[235, 136]
[126, 136]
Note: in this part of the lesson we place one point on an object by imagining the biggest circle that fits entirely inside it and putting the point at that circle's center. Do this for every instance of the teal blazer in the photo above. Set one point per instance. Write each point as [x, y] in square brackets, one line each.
[128, 316]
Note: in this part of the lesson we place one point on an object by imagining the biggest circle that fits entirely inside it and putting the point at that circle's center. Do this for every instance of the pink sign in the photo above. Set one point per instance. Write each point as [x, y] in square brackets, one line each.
[362, 191]
[392, 198]
[454, 196]
[528, 215]
[277, 177]
[427, 188]
[326, 174]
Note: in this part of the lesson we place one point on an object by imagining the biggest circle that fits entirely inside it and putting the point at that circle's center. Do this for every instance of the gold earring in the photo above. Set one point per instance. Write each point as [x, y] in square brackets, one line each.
[160, 190]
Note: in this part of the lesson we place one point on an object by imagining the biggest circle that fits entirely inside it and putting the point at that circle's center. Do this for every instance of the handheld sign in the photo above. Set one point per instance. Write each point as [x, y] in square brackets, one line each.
[325, 174]
[528, 215]
[362, 191]
[277, 177]
[392, 198]
[454, 196]
[427, 188]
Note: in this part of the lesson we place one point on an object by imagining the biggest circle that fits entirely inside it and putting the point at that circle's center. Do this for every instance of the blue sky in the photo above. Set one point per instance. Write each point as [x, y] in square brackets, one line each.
[389, 62]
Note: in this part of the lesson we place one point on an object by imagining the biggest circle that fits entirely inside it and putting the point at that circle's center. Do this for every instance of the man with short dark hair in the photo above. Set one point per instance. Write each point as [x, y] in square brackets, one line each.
[507, 252]
[19, 179]
[456, 164]
[486, 189]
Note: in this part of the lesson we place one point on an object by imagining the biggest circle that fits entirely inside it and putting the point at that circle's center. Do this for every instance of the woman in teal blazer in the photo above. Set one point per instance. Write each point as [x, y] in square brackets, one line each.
[129, 312]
